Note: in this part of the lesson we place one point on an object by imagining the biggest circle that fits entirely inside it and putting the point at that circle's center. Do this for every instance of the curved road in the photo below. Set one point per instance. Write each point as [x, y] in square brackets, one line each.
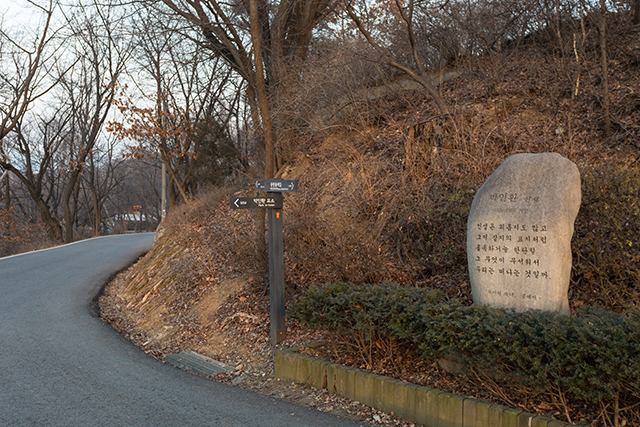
[62, 366]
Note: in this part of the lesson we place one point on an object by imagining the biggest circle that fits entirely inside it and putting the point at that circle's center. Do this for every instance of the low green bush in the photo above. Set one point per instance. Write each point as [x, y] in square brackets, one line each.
[594, 356]
[364, 316]
[343, 308]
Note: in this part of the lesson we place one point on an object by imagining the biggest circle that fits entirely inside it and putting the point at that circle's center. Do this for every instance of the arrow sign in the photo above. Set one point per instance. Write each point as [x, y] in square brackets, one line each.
[277, 185]
[272, 201]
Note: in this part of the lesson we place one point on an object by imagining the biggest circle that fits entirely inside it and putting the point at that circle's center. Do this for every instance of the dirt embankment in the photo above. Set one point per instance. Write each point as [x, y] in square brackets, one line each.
[175, 299]
[384, 195]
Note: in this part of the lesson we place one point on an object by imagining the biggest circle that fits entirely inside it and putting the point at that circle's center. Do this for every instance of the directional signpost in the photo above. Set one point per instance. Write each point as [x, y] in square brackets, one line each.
[273, 203]
[277, 185]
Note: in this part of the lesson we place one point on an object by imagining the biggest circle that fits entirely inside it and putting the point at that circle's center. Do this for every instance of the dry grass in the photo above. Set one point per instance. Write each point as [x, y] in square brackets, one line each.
[385, 190]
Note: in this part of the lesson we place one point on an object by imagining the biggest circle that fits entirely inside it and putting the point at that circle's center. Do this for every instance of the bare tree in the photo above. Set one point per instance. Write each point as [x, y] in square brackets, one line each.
[90, 88]
[22, 83]
[261, 89]
[23, 78]
[100, 178]
[49, 152]
[35, 164]
[188, 87]
[285, 30]
[137, 184]
[419, 73]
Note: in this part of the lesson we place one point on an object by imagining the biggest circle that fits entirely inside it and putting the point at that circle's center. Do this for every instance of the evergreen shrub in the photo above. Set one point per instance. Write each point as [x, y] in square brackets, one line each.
[593, 356]
[365, 317]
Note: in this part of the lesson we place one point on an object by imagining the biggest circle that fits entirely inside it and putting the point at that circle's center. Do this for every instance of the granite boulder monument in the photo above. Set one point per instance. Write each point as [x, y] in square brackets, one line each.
[519, 233]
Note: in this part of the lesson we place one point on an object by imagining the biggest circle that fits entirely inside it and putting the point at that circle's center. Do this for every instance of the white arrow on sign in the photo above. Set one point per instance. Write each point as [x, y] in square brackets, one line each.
[276, 185]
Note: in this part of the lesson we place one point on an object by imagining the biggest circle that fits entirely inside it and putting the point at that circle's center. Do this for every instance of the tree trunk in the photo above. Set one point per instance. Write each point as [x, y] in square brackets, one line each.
[263, 106]
[605, 68]
[67, 211]
[174, 199]
[636, 12]
[7, 194]
[173, 196]
[97, 213]
[263, 102]
[53, 226]
[260, 215]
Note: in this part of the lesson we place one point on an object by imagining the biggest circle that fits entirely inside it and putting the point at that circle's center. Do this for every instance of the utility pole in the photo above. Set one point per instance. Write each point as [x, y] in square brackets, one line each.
[164, 191]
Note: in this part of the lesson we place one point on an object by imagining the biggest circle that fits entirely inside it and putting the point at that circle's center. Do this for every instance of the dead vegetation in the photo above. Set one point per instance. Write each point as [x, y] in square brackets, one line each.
[385, 189]
[18, 235]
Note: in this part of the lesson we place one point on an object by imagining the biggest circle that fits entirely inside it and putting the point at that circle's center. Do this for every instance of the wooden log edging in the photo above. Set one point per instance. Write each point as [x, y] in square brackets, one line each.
[411, 402]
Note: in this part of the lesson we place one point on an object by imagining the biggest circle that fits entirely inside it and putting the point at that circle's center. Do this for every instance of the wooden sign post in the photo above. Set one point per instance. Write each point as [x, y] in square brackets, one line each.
[273, 203]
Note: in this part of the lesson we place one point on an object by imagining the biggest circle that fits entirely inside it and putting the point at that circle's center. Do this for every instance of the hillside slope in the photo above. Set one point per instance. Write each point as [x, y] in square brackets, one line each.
[384, 195]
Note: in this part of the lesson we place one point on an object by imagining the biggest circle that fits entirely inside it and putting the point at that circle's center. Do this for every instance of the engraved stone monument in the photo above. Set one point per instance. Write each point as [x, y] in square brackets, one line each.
[519, 233]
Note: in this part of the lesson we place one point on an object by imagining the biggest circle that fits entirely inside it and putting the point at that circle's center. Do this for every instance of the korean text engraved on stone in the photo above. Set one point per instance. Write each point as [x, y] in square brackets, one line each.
[519, 233]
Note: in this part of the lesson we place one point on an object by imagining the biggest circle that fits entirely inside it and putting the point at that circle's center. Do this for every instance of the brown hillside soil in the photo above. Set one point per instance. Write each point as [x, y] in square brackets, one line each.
[172, 300]
[384, 195]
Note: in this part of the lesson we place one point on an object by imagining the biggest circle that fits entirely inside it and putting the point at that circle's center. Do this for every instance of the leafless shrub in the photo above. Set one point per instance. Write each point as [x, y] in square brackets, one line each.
[18, 235]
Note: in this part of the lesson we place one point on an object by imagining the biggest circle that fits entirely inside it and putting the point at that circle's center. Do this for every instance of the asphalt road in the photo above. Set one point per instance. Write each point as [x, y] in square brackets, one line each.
[60, 365]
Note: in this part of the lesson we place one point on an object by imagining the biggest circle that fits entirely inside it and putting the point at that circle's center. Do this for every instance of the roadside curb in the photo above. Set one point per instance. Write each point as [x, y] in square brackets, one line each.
[411, 402]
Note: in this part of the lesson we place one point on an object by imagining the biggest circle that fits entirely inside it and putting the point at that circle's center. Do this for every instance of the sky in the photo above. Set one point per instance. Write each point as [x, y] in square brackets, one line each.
[21, 16]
